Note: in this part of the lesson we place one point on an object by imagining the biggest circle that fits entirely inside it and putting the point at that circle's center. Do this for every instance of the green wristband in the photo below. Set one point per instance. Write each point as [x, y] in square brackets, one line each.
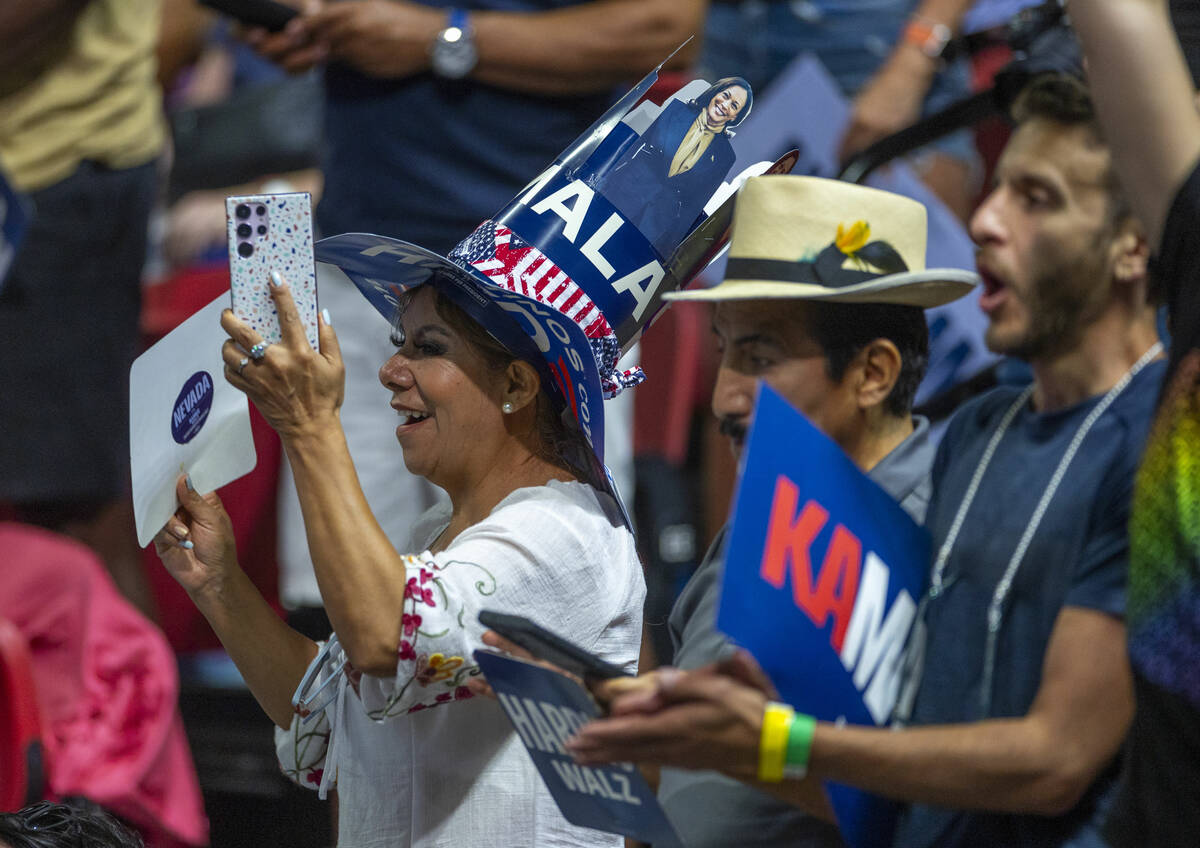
[799, 745]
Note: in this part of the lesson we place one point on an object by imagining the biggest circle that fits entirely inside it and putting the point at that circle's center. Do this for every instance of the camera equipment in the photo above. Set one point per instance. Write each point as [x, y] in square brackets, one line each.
[1041, 42]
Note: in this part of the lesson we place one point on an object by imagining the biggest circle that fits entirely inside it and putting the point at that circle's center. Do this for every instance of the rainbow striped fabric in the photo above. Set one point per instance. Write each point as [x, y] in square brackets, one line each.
[1163, 614]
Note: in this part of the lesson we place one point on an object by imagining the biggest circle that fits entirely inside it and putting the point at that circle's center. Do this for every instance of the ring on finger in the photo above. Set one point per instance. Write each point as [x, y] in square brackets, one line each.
[259, 351]
[242, 364]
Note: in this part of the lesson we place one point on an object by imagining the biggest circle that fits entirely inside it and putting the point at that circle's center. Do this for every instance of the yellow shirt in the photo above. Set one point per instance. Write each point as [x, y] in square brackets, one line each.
[98, 101]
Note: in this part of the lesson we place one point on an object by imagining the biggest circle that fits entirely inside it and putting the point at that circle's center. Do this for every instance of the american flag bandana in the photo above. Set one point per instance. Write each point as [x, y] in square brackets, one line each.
[497, 253]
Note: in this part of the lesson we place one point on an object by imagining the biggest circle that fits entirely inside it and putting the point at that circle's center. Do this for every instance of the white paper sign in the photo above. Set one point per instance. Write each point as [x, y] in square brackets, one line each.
[184, 417]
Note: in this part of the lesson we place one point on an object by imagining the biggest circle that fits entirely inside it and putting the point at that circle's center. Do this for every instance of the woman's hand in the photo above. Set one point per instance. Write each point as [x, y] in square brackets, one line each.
[197, 544]
[297, 389]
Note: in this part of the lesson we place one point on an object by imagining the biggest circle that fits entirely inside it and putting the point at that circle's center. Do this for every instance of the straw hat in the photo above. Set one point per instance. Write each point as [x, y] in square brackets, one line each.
[820, 239]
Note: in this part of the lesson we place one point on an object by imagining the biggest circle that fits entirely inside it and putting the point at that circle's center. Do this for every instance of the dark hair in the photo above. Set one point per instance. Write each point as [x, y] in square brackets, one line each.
[559, 439]
[1065, 99]
[77, 824]
[844, 329]
[705, 97]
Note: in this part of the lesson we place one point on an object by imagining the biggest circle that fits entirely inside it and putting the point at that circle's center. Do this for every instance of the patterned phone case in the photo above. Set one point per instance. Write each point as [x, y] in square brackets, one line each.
[271, 232]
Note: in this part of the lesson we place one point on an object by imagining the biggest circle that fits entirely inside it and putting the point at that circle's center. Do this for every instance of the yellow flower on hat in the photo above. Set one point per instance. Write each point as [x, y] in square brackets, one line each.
[852, 240]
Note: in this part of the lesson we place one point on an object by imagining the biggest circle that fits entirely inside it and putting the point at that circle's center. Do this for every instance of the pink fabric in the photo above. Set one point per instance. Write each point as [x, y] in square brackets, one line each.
[107, 687]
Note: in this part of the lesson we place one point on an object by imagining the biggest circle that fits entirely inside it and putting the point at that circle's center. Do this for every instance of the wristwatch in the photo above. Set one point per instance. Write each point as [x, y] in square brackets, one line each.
[453, 54]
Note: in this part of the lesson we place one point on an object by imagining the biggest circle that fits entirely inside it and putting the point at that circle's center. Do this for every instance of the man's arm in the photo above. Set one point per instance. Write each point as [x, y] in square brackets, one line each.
[589, 47]
[1041, 763]
[891, 100]
[27, 28]
[182, 36]
[585, 48]
[1145, 98]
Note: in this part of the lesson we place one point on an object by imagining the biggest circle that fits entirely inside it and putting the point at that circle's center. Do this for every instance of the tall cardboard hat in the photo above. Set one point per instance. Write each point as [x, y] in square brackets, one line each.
[570, 271]
[819, 239]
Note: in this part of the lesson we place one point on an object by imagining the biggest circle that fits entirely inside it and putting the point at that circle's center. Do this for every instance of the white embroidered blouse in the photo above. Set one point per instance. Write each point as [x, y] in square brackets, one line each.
[411, 775]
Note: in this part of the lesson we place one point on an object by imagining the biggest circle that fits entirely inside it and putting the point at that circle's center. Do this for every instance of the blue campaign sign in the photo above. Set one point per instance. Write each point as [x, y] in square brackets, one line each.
[546, 707]
[822, 573]
[14, 221]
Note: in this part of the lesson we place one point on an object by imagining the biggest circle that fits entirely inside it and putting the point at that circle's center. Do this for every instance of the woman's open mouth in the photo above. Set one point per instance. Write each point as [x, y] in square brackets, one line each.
[409, 417]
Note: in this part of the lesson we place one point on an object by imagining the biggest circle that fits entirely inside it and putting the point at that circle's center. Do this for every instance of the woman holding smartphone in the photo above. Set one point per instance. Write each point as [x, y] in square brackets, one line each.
[382, 711]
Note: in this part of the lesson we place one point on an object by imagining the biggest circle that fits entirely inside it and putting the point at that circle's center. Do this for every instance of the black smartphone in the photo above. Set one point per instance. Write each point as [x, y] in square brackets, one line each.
[267, 14]
[549, 646]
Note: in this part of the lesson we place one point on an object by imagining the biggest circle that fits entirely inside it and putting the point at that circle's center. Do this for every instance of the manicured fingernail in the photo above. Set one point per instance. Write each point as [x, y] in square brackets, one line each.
[187, 481]
[276, 278]
[187, 544]
[179, 530]
[325, 317]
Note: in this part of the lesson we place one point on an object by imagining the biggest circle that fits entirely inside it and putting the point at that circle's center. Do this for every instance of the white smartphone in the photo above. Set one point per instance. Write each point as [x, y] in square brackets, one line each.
[271, 232]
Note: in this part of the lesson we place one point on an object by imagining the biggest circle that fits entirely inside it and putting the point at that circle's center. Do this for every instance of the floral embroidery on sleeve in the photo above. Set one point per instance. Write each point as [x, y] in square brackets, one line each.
[431, 668]
[301, 750]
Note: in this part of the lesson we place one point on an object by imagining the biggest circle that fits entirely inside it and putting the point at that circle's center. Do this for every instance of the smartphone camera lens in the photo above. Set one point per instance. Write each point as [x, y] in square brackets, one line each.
[260, 210]
[243, 230]
[262, 229]
[242, 211]
[245, 249]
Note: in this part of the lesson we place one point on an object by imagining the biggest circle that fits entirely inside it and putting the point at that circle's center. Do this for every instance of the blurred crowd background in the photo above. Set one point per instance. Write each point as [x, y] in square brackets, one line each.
[129, 121]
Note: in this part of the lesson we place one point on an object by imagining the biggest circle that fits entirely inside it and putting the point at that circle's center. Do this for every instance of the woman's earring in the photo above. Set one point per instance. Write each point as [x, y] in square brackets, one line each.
[507, 408]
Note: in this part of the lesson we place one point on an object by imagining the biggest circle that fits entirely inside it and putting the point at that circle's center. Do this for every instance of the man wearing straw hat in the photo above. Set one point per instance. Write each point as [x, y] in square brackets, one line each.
[842, 334]
[1019, 678]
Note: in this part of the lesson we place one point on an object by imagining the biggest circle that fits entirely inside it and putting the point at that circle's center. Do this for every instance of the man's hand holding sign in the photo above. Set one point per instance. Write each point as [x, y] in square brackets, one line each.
[821, 571]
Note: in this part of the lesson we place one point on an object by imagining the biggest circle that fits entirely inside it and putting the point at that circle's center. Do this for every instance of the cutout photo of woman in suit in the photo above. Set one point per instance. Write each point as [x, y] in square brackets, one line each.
[663, 181]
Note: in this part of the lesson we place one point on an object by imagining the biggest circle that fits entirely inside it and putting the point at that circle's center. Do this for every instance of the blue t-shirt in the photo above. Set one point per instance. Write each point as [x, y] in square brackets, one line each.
[1078, 557]
[426, 160]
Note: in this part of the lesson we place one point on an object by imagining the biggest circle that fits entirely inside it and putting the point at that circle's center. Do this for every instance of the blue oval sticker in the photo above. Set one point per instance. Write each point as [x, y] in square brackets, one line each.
[192, 407]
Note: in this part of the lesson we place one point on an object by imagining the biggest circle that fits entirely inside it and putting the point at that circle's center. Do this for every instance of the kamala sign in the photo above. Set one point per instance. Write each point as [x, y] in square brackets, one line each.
[822, 573]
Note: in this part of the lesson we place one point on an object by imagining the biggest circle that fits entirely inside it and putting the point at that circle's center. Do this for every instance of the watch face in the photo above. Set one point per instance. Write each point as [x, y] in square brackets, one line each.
[454, 54]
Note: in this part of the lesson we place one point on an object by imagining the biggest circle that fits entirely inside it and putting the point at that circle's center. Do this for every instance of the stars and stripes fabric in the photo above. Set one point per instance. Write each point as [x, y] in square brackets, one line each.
[498, 254]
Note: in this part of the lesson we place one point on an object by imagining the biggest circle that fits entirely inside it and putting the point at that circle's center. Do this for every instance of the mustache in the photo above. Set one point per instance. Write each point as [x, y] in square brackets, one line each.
[734, 428]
